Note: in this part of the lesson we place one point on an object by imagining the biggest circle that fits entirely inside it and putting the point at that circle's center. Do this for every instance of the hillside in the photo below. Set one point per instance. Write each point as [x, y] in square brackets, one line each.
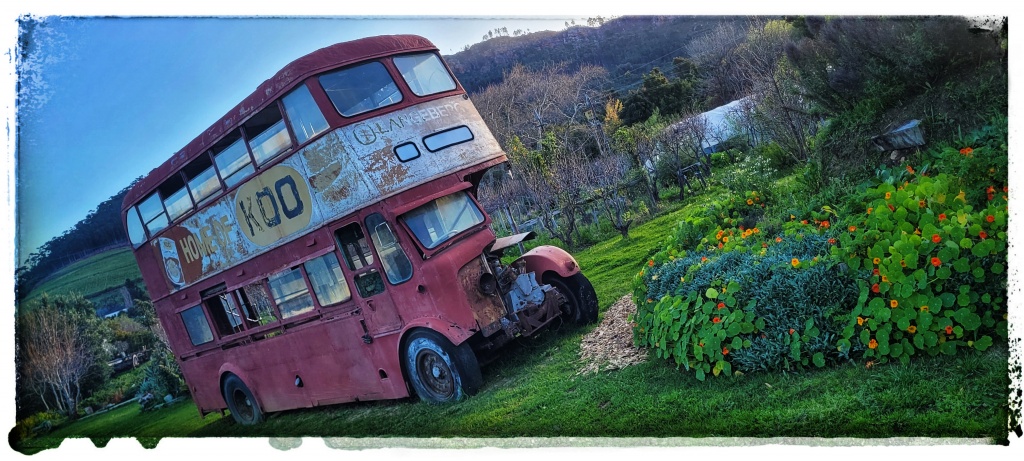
[627, 47]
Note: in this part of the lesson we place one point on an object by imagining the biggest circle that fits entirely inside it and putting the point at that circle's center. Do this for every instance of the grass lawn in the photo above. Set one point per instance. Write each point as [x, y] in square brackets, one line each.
[90, 275]
[534, 389]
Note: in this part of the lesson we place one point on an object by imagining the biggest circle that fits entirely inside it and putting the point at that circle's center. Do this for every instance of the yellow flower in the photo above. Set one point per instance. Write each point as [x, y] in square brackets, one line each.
[893, 303]
[795, 262]
[888, 195]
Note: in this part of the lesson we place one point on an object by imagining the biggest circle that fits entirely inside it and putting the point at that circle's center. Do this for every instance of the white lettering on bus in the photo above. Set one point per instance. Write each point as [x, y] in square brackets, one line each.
[204, 245]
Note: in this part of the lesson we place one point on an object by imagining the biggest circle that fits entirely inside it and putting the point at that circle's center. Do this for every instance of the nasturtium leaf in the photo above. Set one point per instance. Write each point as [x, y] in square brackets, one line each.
[883, 315]
[943, 273]
[733, 287]
[759, 323]
[843, 345]
[865, 337]
[971, 322]
[983, 343]
[698, 352]
[875, 305]
[962, 300]
[978, 273]
[896, 350]
[948, 348]
[930, 338]
[746, 327]
[863, 296]
[947, 299]
[819, 359]
[794, 350]
[906, 290]
[903, 323]
[733, 329]
[924, 320]
[711, 293]
[737, 343]
[962, 265]
[700, 375]
[986, 298]
[919, 341]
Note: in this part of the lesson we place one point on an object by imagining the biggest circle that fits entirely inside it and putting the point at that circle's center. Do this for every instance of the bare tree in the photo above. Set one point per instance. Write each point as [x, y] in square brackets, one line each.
[640, 141]
[609, 173]
[715, 55]
[558, 185]
[59, 352]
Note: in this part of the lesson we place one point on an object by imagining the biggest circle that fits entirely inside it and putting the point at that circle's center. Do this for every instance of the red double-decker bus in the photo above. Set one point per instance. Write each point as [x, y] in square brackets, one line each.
[322, 242]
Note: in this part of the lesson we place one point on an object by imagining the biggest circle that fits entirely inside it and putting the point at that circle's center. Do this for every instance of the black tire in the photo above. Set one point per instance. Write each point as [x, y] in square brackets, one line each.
[241, 402]
[439, 371]
[581, 300]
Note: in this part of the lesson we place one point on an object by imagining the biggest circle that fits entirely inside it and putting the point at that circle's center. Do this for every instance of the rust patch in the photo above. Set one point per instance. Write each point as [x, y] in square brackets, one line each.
[386, 168]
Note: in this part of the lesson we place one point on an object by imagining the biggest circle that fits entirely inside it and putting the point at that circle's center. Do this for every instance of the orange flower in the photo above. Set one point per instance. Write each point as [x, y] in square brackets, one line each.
[650, 263]
[910, 169]
[795, 262]
[757, 231]
[649, 300]
[831, 241]
[874, 288]
[936, 238]
[703, 259]
[870, 363]
[949, 329]
[791, 331]
[716, 320]
[853, 228]
[860, 320]
[825, 224]
[885, 279]
[920, 203]
[983, 235]
[721, 305]
[942, 216]
[903, 263]
[924, 308]
[778, 239]
[874, 271]
[750, 202]
[764, 245]
[912, 329]
[720, 244]
[869, 210]
[803, 221]
[872, 344]
[888, 195]
[966, 151]
[725, 351]
[990, 218]
[725, 239]
[893, 303]
[936, 262]
[876, 260]
[892, 208]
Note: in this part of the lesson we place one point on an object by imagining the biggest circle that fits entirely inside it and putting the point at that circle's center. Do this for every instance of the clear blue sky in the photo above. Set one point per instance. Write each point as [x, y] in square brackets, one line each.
[105, 100]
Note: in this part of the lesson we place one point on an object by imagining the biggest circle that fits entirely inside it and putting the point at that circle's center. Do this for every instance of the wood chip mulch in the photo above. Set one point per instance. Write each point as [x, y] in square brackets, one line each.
[610, 345]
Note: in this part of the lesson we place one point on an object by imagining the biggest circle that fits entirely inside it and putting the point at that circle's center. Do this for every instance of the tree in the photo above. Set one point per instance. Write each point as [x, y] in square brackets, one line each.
[60, 351]
[715, 56]
[657, 93]
[640, 142]
[610, 173]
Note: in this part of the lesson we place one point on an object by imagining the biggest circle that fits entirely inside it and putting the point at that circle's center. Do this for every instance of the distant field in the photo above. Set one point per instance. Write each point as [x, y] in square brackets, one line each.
[91, 275]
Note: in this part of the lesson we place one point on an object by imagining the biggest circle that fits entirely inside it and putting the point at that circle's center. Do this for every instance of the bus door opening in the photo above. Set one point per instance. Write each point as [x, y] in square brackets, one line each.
[369, 266]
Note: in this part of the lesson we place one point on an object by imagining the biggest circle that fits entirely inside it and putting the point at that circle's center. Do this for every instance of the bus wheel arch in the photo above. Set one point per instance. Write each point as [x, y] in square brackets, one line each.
[437, 370]
[581, 299]
[241, 401]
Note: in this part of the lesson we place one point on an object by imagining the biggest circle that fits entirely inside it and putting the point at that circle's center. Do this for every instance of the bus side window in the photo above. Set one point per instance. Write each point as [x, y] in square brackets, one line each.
[177, 201]
[232, 159]
[303, 114]
[256, 305]
[226, 316]
[290, 293]
[196, 325]
[202, 178]
[328, 281]
[358, 256]
[153, 214]
[267, 134]
[396, 264]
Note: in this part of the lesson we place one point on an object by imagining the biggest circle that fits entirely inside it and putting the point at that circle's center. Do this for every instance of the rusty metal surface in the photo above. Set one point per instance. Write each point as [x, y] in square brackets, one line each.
[505, 242]
[487, 309]
[347, 169]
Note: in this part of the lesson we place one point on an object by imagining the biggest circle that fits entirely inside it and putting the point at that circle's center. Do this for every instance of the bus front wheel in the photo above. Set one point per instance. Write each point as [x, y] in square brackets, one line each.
[580, 305]
[241, 403]
[439, 371]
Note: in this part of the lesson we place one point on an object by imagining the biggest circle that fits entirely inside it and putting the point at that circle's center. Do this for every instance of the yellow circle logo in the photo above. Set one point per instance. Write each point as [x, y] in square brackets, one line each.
[273, 205]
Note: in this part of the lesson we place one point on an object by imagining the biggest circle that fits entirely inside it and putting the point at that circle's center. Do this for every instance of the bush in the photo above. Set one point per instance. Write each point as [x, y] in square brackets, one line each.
[42, 422]
[937, 269]
[162, 377]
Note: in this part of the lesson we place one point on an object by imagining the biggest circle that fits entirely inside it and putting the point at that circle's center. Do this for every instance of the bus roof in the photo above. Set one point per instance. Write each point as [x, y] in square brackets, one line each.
[333, 56]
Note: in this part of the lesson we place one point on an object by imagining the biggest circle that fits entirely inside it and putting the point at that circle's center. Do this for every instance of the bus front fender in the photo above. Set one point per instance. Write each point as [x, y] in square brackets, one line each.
[546, 258]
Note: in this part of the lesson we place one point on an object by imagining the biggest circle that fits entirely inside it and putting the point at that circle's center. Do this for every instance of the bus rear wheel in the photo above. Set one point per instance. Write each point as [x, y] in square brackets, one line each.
[241, 403]
[581, 300]
[439, 371]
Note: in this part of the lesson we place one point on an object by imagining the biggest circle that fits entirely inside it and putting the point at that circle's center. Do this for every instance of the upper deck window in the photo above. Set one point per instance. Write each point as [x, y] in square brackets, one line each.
[360, 89]
[232, 159]
[153, 214]
[424, 73]
[177, 201]
[303, 114]
[202, 178]
[135, 232]
[267, 134]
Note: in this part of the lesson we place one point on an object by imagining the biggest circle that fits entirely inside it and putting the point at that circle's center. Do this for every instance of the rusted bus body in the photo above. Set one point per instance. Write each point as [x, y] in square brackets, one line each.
[323, 248]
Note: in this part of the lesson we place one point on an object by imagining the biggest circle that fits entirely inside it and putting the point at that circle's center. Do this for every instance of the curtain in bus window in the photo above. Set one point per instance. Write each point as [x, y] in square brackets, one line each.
[396, 264]
[196, 325]
[328, 280]
[424, 73]
[360, 89]
[290, 293]
[303, 114]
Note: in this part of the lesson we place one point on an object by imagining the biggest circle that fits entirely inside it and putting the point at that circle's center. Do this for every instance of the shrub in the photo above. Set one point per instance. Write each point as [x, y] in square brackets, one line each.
[936, 269]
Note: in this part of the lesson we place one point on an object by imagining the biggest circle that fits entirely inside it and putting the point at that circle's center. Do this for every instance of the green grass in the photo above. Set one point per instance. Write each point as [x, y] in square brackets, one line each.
[533, 389]
[90, 275]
